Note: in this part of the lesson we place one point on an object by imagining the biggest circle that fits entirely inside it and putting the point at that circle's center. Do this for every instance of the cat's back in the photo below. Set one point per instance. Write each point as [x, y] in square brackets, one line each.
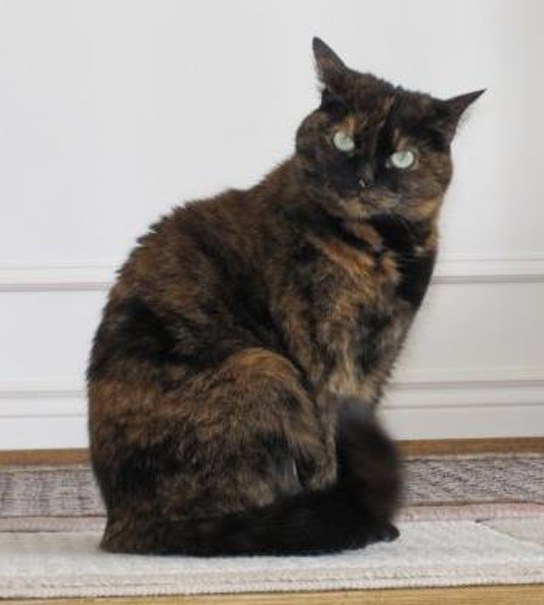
[191, 237]
[191, 281]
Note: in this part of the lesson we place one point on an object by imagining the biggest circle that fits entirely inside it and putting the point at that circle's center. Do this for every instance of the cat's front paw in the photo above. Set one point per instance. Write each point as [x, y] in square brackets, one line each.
[389, 533]
[384, 533]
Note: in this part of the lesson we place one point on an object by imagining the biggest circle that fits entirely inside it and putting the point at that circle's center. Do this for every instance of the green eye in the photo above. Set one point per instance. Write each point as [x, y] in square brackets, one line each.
[343, 141]
[402, 159]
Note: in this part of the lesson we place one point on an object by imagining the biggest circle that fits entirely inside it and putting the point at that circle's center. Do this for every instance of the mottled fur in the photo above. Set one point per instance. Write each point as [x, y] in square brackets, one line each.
[249, 337]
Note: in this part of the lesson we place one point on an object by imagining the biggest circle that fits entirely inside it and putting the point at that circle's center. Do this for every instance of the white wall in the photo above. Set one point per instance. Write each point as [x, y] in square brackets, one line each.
[112, 111]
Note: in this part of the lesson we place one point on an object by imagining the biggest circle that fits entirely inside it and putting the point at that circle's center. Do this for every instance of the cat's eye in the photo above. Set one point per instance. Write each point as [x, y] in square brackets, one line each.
[343, 141]
[402, 159]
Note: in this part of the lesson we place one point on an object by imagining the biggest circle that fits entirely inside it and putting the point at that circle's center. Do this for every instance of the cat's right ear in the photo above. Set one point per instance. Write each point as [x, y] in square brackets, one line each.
[455, 108]
[331, 70]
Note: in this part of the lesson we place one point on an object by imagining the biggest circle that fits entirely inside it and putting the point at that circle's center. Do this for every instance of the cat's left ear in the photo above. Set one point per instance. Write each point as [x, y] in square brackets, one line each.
[456, 107]
[331, 70]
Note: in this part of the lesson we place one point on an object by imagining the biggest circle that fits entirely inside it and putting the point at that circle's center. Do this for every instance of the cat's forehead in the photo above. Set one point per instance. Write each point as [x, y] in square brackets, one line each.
[377, 103]
[377, 98]
[371, 95]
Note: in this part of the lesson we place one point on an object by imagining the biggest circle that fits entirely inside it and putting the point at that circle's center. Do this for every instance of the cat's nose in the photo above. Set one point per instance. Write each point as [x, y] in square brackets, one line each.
[366, 175]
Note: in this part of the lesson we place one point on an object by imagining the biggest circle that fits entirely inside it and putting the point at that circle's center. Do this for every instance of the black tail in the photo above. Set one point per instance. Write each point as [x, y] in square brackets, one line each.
[354, 512]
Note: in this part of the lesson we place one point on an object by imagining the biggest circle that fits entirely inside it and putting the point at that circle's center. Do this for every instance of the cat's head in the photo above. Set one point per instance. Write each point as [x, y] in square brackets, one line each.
[372, 148]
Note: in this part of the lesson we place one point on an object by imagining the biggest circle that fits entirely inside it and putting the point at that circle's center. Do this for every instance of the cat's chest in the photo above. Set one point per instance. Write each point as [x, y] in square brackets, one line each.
[375, 294]
[376, 277]
[390, 267]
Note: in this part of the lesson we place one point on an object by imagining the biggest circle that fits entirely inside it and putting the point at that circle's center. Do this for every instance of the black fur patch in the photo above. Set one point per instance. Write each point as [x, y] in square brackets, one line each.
[137, 333]
[396, 235]
[146, 335]
[136, 471]
[416, 275]
[367, 348]
[402, 239]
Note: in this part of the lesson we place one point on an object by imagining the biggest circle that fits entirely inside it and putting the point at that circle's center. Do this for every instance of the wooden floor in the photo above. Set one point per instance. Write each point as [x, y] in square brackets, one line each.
[477, 595]
[480, 595]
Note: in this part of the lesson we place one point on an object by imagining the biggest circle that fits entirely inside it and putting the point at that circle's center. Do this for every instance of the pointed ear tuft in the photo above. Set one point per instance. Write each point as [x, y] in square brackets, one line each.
[456, 107]
[331, 70]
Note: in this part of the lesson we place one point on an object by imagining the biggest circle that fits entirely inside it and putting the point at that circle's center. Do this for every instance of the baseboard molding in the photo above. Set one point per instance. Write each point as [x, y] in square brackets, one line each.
[99, 275]
[54, 277]
[455, 388]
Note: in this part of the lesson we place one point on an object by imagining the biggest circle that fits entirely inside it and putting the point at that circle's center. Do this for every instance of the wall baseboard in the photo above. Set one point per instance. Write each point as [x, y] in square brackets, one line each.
[54, 277]
[99, 275]
[425, 447]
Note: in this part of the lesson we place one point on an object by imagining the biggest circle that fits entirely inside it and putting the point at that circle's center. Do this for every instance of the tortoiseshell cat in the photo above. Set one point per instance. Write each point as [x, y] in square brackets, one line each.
[249, 336]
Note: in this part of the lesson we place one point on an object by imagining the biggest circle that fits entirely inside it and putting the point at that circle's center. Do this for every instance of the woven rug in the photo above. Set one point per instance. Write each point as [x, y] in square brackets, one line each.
[467, 520]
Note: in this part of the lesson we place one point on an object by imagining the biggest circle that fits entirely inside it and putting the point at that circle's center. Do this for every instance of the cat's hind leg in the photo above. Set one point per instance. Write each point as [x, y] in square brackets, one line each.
[250, 434]
[236, 437]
